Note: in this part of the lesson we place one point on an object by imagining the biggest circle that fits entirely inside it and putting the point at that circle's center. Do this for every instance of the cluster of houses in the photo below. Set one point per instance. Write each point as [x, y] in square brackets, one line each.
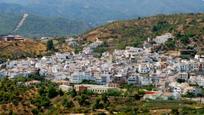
[137, 66]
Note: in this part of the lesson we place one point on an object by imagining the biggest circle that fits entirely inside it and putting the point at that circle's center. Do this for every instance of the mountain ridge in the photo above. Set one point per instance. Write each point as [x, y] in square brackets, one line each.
[36, 26]
[93, 13]
[188, 30]
[101, 11]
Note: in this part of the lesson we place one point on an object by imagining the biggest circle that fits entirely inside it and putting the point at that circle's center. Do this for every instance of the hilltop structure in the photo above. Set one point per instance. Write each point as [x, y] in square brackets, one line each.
[11, 38]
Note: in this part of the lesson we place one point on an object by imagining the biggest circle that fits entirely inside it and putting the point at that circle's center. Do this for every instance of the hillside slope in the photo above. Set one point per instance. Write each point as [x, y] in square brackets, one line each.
[188, 30]
[40, 26]
[62, 17]
[30, 48]
[23, 49]
[8, 22]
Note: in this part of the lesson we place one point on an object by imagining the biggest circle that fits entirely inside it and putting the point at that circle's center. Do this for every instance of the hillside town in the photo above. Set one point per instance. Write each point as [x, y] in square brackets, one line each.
[101, 57]
[170, 75]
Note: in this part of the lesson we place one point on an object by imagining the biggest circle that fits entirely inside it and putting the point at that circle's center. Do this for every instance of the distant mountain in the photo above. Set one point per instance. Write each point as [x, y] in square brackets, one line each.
[8, 22]
[83, 14]
[12, 8]
[100, 11]
[40, 26]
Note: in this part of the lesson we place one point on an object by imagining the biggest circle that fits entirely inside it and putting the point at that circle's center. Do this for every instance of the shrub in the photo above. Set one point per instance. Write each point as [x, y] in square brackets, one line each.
[41, 101]
[52, 92]
[170, 44]
[160, 25]
[35, 112]
[113, 92]
[73, 93]
[67, 103]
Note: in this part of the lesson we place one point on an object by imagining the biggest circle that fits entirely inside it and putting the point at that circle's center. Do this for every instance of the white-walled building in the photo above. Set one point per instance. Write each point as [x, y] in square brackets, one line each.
[163, 38]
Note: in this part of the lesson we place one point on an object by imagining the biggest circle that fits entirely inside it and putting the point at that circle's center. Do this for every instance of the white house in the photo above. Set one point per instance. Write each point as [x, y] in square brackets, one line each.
[143, 68]
[183, 67]
[78, 77]
[105, 79]
[133, 80]
[132, 52]
[200, 81]
[183, 76]
[143, 81]
[65, 88]
[95, 88]
[163, 38]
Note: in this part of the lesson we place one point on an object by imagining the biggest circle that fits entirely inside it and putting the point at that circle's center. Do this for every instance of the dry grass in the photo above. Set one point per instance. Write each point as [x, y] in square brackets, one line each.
[20, 49]
[22, 108]
[27, 48]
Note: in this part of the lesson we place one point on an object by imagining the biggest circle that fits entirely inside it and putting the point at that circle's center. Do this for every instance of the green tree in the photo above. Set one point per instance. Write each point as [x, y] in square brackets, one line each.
[175, 111]
[67, 103]
[73, 93]
[113, 92]
[101, 49]
[42, 91]
[35, 112]
[83, 99]
[87, 92]
[104, 98]
[160, 26]
[61, 93]
[171, 44]
[10, 91]
[96, 104]
[52, 92]
[50, 45]
[41, 101]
